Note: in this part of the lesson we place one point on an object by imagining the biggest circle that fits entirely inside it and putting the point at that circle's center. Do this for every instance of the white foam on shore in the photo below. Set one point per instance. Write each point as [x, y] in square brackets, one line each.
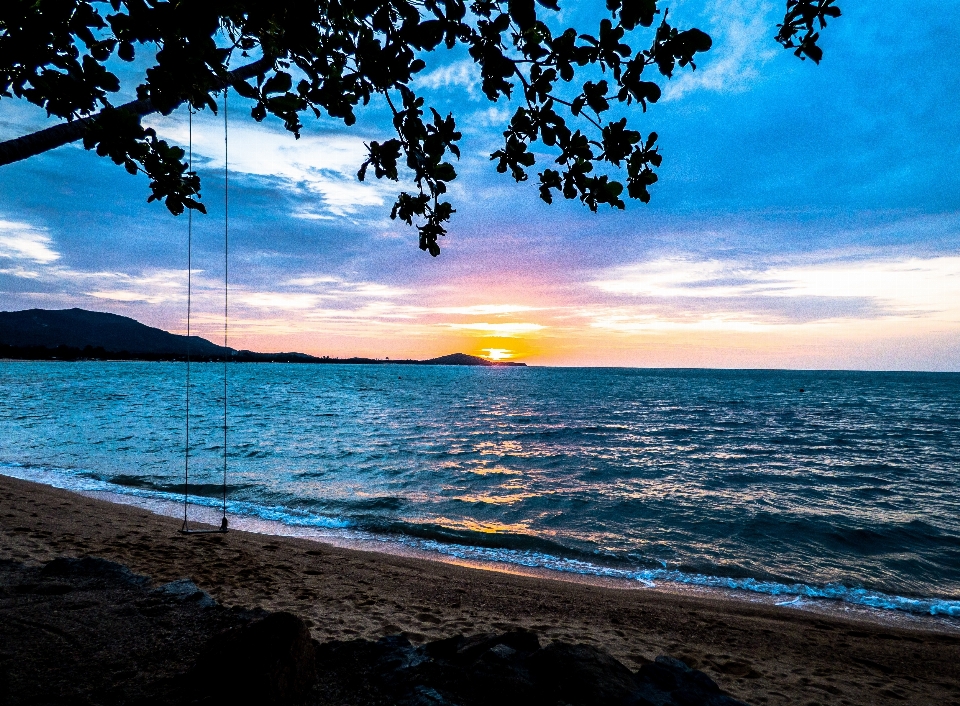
[833, 599]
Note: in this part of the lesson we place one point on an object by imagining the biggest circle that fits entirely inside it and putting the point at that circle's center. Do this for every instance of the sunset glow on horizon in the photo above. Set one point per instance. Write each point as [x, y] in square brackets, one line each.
[678, 312]
[782, 232]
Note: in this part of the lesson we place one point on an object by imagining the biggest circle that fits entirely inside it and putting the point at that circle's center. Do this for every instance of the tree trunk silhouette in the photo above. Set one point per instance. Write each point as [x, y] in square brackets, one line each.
[27, 146]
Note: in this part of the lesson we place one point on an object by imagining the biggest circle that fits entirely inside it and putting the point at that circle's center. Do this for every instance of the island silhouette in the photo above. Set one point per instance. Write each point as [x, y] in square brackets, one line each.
[79, 334]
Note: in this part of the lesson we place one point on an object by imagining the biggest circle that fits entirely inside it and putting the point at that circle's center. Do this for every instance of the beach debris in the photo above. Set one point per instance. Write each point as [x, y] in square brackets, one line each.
[268, 661]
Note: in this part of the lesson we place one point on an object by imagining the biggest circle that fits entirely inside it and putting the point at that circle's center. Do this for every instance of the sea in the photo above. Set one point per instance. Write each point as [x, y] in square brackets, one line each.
[830, 486]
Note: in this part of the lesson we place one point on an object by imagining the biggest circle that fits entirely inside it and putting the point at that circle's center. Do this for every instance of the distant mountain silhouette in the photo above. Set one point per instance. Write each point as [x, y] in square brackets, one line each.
[78, 334]
[79, 328]
[464, 359]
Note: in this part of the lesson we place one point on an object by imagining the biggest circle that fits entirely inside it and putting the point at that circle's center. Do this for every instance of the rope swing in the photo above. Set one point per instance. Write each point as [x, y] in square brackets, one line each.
[185, 528]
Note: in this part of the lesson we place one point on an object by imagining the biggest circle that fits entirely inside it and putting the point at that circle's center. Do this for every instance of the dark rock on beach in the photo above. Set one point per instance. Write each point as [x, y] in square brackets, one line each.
[90, 631]
[511, 668]
[270, 661]
[93, 569]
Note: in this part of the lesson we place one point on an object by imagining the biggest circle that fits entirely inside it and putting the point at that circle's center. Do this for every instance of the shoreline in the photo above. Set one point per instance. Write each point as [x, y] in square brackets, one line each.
[344, 537]
[210, 517]
[760, 653]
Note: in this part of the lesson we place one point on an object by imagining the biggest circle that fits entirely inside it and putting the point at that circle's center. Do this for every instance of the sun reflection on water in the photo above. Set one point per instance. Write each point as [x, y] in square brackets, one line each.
[483, 527]
[493, 499]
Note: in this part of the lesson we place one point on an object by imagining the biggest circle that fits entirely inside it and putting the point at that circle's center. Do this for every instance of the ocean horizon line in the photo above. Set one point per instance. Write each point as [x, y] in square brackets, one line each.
[527, 365]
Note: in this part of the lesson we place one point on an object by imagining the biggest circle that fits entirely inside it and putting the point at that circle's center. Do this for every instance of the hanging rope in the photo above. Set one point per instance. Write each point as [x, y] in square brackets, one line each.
[186, 447]
[226, 312]
[226, 281]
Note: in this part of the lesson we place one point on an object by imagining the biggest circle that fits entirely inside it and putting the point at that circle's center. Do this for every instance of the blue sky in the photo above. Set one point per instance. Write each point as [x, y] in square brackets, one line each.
[806, 216]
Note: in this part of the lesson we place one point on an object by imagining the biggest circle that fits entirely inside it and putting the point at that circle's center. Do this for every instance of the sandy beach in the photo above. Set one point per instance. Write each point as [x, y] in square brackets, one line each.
[759, 653]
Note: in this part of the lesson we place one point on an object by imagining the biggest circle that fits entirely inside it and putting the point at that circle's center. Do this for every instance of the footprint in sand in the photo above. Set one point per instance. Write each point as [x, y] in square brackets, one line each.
[739, 670]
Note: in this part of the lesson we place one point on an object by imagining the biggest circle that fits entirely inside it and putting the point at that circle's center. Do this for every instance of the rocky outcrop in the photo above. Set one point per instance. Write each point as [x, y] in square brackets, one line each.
[90, 631]
[92, 569]
[511, 668]
[270, 661]
[87, 630]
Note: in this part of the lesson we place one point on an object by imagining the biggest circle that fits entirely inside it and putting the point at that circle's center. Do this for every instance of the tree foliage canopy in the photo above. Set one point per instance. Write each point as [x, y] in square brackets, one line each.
[332, 57]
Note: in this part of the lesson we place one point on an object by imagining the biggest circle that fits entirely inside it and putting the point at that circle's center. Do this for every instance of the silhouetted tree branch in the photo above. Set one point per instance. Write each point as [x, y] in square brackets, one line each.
[334, 56]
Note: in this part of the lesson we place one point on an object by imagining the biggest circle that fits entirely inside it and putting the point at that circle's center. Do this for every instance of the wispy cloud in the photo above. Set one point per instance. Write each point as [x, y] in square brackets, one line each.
[31, 249]
[20, 272]
[154, 287]
[25, 242]
[915, 287]
[312, 280]
[494, 116]
[322, 166]
[374, 289]
[505, 330]
[722, 322]
[464, 74]
[742, 44]
[313, 291]
[284, 301]
[485, 309]
[668, 278]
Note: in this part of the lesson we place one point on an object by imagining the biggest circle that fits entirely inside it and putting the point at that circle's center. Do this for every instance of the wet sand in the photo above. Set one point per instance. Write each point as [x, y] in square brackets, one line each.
[760, 653]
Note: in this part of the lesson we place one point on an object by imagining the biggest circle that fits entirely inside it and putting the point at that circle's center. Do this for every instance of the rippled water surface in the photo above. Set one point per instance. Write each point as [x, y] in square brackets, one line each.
[725, 478]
